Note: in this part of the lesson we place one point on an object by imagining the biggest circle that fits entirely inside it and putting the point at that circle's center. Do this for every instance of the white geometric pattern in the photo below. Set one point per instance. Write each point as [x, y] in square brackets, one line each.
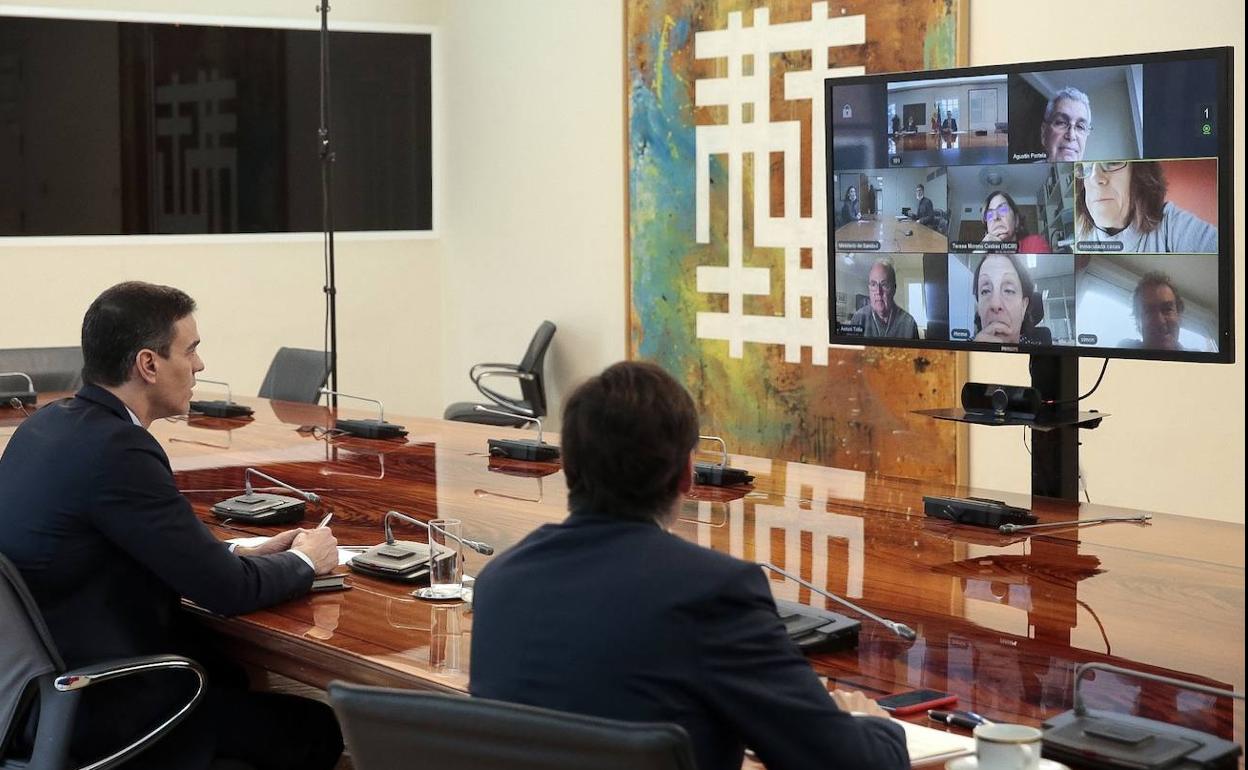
[760, 137]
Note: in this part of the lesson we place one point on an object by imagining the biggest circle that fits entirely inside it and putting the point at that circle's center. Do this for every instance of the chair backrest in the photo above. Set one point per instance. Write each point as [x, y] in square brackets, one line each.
[296, 374]
[27, 653]
[389, 729]
[534, 362]
[51, 369]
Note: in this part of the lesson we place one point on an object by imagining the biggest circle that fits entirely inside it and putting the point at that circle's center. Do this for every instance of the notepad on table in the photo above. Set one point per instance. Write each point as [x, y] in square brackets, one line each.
[927, 745]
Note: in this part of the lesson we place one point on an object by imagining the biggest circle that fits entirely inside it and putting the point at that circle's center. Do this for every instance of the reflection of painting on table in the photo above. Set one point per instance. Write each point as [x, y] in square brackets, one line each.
[728, 252]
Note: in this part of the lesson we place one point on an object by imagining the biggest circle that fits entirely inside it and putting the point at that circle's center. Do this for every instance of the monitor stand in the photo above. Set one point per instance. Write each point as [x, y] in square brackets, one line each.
[1055, 431]
[1055, 452]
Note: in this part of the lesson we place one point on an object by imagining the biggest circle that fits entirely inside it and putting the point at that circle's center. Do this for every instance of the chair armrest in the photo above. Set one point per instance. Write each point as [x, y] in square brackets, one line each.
[482, 371]
[472, 373]
[80, 678]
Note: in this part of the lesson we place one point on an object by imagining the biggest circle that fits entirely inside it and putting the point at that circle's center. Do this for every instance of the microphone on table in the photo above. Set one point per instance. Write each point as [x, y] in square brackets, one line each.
[900, 629]
[520, 449]
[719, 474]
[22, 397]
[263, 507]
[378, 428]
[403, 560]
[1115, 740]
[218, 408]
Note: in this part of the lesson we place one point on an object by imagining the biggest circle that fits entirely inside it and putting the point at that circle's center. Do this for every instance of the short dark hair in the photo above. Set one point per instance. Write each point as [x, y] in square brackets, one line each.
[920, 187]
[125, 319]
[1151, 279]
[627, 434]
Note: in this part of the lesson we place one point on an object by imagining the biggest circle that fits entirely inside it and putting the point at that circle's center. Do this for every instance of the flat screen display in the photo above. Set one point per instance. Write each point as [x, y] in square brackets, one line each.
[1067, 207]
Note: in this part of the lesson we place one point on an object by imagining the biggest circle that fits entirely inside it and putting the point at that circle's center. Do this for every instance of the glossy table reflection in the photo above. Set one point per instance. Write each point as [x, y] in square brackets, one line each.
[1002, 619]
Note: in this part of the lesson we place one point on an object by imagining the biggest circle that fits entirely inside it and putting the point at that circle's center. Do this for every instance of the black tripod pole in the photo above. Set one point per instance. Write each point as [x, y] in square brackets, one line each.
[327, 210]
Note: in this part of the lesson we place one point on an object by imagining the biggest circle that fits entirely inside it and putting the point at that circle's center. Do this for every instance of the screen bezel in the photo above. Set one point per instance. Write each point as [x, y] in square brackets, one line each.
[1226, 236]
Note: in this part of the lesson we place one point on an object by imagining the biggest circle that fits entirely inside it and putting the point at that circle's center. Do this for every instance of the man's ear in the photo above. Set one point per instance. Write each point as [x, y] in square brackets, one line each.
[145, 365]
[685, 483]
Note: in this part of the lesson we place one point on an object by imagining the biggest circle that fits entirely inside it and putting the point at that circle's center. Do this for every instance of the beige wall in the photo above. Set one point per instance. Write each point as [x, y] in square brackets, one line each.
[1175, 441]
[534, 227]
[535, 192]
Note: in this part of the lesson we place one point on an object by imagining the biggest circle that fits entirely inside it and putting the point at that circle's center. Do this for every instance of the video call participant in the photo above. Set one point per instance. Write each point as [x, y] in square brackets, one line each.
[1158, 310]
[925, 213]
[1003, 291]
[1067, 123]
[950, 125]
[850, 211]
[896, 124]
[92, 518]
[1126, 202]
[608, 614]
[881, 317]
[1004, 223]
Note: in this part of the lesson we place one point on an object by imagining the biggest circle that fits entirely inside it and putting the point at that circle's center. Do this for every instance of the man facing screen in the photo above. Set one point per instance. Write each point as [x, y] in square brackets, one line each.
[881, 317]
[608, 614]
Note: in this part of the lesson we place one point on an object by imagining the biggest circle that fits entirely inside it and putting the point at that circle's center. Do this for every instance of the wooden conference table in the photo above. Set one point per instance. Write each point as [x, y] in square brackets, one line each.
[891, 234]
[1002, 621]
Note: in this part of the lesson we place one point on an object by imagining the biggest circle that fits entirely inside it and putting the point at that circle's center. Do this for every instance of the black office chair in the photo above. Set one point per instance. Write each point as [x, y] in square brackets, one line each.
[39, 698]
[532, 401]
[50, 369]
[296, 374]
[389, 729]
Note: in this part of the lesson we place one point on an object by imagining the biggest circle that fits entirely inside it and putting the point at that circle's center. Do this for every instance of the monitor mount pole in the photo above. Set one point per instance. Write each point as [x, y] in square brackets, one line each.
[1055, 452]
[327, 207]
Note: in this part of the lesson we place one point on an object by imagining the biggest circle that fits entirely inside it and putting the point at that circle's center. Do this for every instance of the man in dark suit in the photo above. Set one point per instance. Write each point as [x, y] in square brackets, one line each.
[608, 614]
[925, 214]
[90, 515]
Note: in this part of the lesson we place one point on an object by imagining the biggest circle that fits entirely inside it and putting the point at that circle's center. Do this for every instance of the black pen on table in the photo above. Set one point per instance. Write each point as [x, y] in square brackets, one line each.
[965, 719]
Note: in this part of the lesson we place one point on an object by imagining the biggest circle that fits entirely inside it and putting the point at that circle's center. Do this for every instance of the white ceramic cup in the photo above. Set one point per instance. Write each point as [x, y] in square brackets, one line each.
[1007, 747]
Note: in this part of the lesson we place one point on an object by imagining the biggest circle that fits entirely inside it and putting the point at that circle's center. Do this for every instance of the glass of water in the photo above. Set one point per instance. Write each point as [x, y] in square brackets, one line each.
[446, 559]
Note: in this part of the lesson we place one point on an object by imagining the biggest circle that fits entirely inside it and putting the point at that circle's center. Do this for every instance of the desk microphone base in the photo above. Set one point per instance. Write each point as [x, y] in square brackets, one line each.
[260, 508]
[523, 449]
[221, 409]
[371, 428]
[27, 397]
[816, 630]
[1111, 740]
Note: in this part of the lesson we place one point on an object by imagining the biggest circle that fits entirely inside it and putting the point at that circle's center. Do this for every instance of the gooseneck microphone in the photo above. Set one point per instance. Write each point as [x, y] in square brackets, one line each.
[404, 561]
[1006, 529]
[218, 408]
[520, 449]
[311, 497]
[25, 397]
[262, 507]
[476, 545]
[901, 629]
[378, 428]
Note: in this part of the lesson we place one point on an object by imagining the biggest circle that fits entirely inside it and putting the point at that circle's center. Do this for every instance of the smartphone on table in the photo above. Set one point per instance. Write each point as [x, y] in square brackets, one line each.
[915, 701]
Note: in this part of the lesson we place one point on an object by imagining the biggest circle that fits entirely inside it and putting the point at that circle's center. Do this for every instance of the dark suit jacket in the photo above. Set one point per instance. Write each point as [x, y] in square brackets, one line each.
[622, 620]
[90, 515]
[926, 214]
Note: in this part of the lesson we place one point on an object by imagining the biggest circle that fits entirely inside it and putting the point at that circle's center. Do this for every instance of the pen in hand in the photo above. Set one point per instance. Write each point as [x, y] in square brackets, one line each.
[325, 520]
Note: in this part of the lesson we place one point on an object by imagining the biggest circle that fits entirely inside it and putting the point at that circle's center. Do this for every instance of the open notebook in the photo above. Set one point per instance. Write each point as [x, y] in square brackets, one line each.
[928, 745]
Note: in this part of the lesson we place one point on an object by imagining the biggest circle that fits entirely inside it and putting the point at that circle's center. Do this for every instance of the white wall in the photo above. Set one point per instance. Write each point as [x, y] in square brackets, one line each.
[1175, 440]
[535, 195]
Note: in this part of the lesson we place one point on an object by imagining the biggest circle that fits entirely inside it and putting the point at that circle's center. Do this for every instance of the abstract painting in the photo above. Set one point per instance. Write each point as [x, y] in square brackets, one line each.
[727, 242]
